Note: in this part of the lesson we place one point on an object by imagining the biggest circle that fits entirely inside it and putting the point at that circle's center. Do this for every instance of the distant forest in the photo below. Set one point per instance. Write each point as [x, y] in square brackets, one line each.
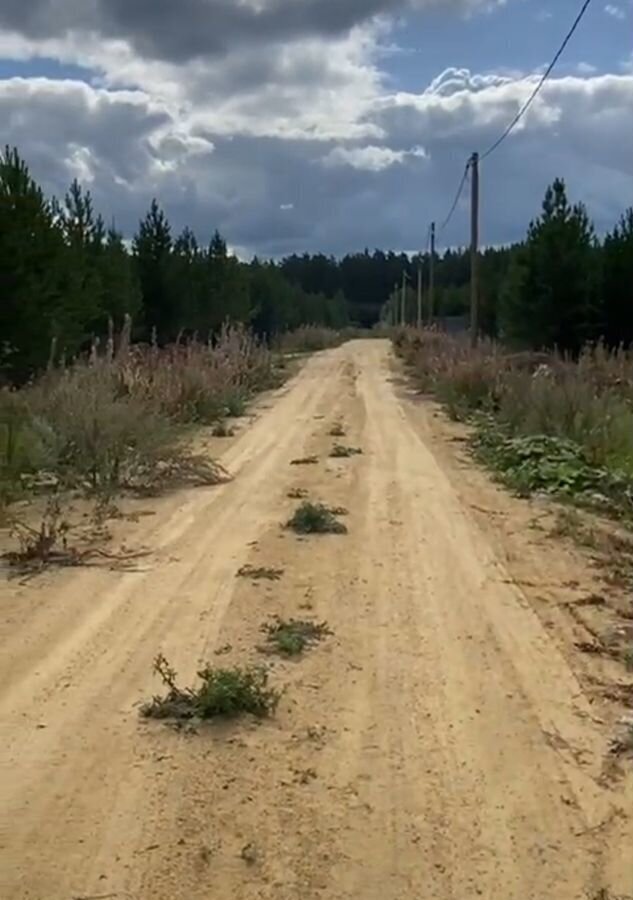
[64, 276]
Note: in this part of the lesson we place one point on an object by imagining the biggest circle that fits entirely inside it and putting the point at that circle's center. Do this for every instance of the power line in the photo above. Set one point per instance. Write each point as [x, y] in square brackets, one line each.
[542, 81]
[457, 196]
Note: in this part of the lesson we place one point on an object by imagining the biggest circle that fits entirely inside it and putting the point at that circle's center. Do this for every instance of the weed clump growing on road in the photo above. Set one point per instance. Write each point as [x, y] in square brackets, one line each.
[292, 636]
[315, 518]
[260, 573]
[305, 461]
[337, 430]
[222, 693]
[297, 494]
[339, 451]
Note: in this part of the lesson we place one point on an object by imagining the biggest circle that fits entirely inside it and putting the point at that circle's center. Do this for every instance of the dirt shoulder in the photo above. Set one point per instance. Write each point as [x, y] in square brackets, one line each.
[446, 740]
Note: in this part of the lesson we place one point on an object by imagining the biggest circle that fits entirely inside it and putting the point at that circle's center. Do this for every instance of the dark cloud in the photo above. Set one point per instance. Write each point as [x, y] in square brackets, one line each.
[181, 30]
[187, 29]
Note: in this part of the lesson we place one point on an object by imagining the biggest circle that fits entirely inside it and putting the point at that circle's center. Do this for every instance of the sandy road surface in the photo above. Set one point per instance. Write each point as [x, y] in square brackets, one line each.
[438, 745]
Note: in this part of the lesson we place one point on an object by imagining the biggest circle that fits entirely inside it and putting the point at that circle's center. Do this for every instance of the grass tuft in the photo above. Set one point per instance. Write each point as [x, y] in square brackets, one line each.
[260, 573]
[291, 637]
[339, 451]
[315, 518]
[337, 430]
[222, 693]
[297, 494]
[305, 461]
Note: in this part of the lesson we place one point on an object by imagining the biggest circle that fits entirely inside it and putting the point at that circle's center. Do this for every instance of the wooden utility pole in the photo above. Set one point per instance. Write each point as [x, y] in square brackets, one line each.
[419, 319]
[403, 312]
[474, 250]
[432, 276]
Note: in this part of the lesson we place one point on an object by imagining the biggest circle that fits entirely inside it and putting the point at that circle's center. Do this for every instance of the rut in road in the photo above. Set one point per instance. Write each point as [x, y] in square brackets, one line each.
[437, 746]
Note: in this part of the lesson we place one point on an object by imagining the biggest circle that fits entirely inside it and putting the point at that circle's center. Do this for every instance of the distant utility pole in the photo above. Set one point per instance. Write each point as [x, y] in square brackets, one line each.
[419, 318]
[403, 307]
[474, 250]
[394, 304]
[432, 276]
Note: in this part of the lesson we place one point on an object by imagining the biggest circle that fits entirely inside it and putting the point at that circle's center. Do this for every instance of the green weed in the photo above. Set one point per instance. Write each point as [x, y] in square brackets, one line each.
[339, 451]
[315, 518]
[260, 573]
[291, 637]
[222, 693]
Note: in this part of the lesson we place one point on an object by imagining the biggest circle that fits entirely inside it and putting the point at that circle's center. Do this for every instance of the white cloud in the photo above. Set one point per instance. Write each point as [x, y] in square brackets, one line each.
[370, 158]
[617, 12]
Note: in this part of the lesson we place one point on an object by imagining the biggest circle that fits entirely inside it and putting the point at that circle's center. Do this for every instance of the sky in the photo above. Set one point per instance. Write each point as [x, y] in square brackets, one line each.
[320, 125]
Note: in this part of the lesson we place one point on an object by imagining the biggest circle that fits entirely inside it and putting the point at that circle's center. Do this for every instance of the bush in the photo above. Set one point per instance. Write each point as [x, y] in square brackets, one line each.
[222, 693]
[22, 450]
[315, 518]
[91, 431]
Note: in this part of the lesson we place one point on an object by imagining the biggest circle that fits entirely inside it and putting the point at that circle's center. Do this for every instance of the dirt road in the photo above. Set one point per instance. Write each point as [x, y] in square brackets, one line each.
[439, 745]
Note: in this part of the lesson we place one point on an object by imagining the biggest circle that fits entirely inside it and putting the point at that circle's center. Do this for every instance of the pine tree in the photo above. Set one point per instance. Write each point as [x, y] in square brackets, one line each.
[121, 290]
[227, 287]
[32, 264]
[617, 286]
[153, 257]
[81, 312]
[550, 297]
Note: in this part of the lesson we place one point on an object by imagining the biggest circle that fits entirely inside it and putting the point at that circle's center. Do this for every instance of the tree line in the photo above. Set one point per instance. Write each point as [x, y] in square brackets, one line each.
[65, 277]
[561, 287]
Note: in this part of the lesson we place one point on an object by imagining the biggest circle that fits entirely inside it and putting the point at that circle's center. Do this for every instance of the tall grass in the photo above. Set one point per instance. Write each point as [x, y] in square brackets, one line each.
[587, 401]
[120, 413]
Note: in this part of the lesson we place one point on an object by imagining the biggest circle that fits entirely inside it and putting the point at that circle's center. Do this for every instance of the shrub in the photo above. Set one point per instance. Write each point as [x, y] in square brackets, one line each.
[91, 432]
[222, 693]
[315, 518]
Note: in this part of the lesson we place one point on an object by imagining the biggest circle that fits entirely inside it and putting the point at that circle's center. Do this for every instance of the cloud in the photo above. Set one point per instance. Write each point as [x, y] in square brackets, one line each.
[616, 12]
[196, 29]
[291, 137]
[370, 158]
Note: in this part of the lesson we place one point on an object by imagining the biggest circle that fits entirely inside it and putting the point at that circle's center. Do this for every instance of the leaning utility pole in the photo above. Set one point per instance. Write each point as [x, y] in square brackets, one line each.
[432, 276]
[474, 250]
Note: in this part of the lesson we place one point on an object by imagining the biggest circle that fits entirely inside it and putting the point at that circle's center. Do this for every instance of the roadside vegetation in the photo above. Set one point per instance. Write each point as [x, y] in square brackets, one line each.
[543, 422]
[116, 420]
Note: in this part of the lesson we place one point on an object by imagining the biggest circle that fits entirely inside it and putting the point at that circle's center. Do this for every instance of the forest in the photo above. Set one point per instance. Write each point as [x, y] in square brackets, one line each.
[66, 277]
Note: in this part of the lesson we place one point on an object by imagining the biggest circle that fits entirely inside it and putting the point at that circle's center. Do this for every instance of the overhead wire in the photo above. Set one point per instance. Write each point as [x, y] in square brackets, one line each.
[457, 196]
[539, 86]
